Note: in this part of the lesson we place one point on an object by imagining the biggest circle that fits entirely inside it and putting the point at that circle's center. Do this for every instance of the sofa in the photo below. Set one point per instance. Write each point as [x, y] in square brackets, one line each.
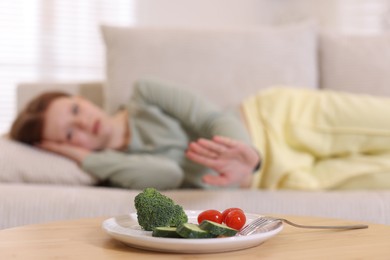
[225, 65]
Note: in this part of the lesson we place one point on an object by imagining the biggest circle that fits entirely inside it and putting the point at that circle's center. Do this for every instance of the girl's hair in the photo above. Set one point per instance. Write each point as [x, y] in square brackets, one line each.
[28, 125]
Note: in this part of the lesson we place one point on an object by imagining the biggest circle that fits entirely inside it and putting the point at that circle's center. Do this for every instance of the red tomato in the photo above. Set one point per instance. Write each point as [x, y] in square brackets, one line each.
[235, 219]
[227, 211]
[211, 214]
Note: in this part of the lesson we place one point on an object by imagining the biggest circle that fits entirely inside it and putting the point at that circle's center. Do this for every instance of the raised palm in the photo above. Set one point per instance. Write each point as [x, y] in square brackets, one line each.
[233, 160]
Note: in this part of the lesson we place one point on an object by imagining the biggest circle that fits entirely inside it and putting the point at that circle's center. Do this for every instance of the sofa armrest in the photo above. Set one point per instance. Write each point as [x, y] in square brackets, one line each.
[93, 91]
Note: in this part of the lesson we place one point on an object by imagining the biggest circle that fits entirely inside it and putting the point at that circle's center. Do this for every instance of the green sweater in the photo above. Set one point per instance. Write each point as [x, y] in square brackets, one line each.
[163, 120]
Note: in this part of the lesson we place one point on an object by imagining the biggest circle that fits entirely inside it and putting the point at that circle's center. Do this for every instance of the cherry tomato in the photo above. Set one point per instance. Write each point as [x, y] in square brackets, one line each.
[235, 219]
[211, 214]
[227, 211]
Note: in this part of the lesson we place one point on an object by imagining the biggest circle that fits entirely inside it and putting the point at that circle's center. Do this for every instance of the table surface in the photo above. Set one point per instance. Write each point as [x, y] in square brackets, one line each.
[85, 239]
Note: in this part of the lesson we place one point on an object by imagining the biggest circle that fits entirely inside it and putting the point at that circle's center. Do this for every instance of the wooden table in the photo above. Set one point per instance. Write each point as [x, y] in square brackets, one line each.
[84, 239]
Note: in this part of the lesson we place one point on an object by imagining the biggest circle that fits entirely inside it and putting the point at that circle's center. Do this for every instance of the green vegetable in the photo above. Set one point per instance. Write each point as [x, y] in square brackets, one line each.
[157, 210]
[217, 229]
[165, 232]
[189, 230]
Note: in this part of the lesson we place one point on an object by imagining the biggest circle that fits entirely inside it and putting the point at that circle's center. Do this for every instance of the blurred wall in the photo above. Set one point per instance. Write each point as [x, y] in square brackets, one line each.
[350, 15]
[230, 12]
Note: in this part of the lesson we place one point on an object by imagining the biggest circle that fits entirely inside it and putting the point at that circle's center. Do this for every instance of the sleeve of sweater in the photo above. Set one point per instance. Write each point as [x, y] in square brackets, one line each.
[138, 171]
[134, 171]
[194, 112]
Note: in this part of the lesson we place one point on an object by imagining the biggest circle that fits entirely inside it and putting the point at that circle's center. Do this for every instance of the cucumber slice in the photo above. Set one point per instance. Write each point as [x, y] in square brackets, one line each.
[189, 230]
[217, 229]
[165, 232]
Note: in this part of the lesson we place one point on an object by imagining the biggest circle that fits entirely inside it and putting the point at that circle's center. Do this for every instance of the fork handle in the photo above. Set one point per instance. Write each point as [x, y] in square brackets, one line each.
[358, 226]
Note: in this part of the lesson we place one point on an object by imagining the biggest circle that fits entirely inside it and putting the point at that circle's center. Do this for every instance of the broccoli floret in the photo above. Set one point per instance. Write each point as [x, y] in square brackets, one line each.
[179, 216]
[157, 210]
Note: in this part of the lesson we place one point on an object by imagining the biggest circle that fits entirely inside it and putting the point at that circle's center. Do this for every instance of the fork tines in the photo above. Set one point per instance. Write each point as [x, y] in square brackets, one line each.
[255, 225]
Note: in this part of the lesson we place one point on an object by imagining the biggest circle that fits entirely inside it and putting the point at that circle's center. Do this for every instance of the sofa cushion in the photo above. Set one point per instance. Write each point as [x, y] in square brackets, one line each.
[72, 202]
[355, 63]
[217, 62]
[26, 164]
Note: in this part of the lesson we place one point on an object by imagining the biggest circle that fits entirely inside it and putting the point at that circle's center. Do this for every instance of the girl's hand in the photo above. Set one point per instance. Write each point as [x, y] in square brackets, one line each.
[72, 152]
[233, 160]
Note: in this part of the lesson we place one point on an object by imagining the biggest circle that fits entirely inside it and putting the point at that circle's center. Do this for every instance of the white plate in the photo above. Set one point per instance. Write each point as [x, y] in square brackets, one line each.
[126, 229]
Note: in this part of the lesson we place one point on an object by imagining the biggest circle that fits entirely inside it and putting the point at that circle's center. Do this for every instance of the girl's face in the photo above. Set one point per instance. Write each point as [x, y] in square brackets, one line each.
[75, 120]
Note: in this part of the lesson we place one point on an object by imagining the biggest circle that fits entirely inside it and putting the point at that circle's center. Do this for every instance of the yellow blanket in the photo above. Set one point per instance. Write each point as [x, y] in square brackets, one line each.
[316, 140]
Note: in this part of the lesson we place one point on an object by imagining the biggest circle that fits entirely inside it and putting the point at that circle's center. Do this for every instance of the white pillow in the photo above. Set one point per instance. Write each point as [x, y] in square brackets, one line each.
[355, 63]
[225, 65]
[23, 163]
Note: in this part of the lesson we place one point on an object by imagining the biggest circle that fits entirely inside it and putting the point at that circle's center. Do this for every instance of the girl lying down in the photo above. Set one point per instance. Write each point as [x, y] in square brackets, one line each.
[169, 138]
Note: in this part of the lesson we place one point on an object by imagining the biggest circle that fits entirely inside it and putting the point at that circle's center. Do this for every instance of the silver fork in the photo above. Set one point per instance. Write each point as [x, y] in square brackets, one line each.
[263, 221]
